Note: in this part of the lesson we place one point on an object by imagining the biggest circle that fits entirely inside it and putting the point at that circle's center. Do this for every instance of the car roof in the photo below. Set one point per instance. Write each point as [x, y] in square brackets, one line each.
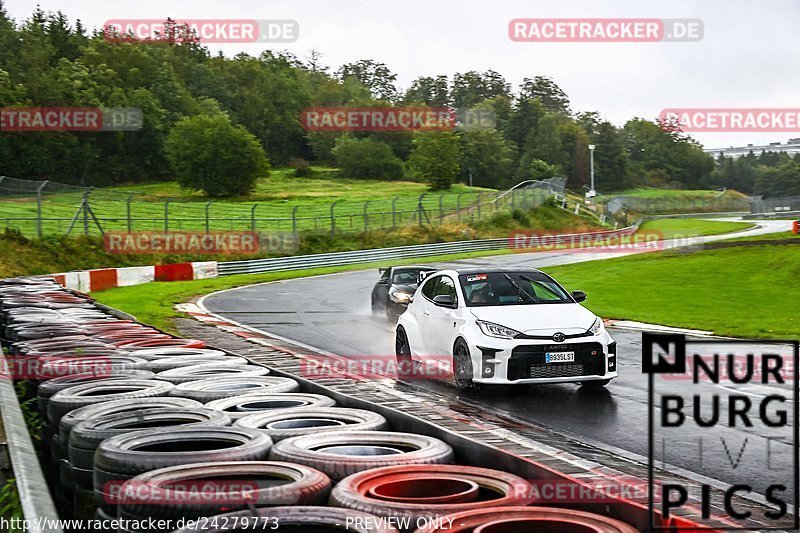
[468, 271]
[423, 267]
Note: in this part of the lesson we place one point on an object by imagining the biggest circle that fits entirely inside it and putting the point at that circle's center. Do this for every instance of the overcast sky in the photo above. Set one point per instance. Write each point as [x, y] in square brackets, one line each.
[749, 56]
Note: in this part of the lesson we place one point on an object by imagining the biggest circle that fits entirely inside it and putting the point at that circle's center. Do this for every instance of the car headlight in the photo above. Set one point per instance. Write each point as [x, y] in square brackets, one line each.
[598, 327]
[400, 296]
[496, 330]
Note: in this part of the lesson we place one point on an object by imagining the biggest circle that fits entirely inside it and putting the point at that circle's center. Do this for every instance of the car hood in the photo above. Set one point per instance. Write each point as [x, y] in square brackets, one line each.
[538, 318]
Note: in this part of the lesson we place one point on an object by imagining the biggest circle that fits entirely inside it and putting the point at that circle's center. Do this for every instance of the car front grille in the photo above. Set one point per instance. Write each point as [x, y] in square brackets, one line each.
[528, 361]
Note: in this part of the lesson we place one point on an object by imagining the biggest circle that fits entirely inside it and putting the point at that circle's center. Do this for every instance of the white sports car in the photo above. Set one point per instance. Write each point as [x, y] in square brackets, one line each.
[506, 327]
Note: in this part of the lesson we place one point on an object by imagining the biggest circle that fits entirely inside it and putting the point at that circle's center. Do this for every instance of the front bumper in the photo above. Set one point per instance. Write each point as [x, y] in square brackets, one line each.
[522, 361]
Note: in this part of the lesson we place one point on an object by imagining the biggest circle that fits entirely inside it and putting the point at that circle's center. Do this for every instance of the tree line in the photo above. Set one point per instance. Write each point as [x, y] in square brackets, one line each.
[217, 123]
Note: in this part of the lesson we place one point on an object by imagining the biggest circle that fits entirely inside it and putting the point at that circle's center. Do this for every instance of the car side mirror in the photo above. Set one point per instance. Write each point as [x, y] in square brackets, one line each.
[444, 300]
[578, 296]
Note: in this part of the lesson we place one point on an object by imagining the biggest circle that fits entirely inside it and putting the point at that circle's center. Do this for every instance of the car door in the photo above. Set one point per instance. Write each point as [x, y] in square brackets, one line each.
[439, 325]
[420, 310]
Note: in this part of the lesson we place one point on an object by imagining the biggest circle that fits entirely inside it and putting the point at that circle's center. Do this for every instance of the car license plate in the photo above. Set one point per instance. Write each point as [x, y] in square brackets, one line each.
[559, 357]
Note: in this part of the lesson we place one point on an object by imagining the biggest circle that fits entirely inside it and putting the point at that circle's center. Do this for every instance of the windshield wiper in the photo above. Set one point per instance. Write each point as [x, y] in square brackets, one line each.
[519, 289]
[539, 283]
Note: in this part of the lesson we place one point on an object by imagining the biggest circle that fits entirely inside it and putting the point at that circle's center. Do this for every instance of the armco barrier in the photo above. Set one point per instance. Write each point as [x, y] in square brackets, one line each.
[252, 266]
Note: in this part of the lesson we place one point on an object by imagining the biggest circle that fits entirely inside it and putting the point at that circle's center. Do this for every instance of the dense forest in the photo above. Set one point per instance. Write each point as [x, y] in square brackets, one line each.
[189, 95]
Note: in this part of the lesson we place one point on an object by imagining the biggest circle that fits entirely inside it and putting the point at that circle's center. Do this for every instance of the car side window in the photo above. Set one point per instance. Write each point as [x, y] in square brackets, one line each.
[428, 288]
[445, 286]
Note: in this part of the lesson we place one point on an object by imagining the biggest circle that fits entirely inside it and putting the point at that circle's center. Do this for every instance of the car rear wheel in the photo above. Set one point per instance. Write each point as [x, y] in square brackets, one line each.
[403, 353]
[462, 367]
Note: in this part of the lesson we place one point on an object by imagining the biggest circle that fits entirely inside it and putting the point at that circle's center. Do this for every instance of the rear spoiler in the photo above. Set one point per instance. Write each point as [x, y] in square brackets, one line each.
[382, 269]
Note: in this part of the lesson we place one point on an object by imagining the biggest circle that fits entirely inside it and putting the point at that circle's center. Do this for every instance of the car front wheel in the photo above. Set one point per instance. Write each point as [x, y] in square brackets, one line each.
[462, 367]
[402, 353]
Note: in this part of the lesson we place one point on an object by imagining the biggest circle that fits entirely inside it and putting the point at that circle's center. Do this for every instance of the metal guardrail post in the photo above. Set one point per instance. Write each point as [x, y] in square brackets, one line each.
[129, 213]
[39, 207]
[333, 219]
[253, 218]
[208, 222]
[366, 216]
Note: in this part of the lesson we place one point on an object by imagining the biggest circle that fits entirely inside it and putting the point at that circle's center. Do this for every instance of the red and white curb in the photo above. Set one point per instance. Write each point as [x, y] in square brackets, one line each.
[106, 278]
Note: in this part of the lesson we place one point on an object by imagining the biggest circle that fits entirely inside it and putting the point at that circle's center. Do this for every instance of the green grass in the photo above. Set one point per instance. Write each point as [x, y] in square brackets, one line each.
[274, 200]
[153, 303]
[681, 201]
[672, 228]
[740, 291]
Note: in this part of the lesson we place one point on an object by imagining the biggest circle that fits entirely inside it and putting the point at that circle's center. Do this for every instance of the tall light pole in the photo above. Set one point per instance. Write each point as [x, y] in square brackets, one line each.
[592, 193]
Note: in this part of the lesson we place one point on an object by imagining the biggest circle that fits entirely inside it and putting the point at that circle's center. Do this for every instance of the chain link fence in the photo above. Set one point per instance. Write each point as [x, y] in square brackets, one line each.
[786, 204]
[39, 208]
[651, 206]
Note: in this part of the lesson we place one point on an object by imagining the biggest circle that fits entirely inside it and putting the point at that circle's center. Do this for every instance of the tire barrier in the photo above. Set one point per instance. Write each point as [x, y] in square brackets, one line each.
[48, 388]
[168, 363]
[76, 396]
[418, 492]
[216, 370]
[248, 404]
[207, 390]
[119, 408]
[343, 453]
[312, 421]
[518, 519]
[171, 493]
[156, 415]
[298, 519]
[123, 457]
[86, 436]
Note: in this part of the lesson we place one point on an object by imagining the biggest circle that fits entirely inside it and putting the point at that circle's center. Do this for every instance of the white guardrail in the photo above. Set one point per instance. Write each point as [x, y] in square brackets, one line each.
[254, 266]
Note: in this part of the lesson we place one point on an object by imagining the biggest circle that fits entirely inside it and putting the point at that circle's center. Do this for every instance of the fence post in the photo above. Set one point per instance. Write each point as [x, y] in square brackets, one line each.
[253, 218]
[166, 215]
[333, 220]
[294, 223]
[479, 205]
[128, 212]
[39, 208]
[394, 213]
[366, 217]
[208, 224]
[86, 212]
[441, 209]
[420, 209]
[458, 205]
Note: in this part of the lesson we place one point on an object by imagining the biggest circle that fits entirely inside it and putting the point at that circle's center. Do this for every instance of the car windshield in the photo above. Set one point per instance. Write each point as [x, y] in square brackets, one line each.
[406, 276]
[511, 288]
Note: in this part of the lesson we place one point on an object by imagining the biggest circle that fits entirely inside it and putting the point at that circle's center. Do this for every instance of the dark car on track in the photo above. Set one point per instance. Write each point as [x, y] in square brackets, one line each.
[395, 288]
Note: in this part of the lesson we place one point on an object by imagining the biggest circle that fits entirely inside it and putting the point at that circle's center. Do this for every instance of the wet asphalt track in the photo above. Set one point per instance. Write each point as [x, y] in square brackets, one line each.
[332, 313]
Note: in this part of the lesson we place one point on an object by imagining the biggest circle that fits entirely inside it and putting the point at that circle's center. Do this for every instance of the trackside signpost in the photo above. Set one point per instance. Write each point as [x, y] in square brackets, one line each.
[730, 407]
